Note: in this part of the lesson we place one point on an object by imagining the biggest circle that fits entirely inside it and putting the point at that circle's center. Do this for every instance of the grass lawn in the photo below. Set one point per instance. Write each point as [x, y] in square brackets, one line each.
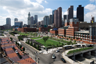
[49, 42]
[23, 34]
[35, 37]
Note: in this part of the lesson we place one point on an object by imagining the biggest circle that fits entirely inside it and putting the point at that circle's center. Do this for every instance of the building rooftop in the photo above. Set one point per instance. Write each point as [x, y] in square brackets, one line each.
[82, 31]
[13, 53]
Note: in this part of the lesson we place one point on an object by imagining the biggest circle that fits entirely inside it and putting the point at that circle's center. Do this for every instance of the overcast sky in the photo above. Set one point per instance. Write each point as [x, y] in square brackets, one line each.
[20, 8]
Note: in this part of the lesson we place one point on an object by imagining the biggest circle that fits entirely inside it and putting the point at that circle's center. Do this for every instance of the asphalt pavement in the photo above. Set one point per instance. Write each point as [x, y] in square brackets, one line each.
[43, 58]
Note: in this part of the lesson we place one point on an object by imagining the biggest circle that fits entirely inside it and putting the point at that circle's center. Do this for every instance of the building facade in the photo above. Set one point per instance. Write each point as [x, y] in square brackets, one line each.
[8, 21]
[70, 12]
[25, 29]
[64, 17]
[35, 19]
[18, 24]
[50, 19]
[56, 18]
[29, 21]
[46, 20]
[53, 16]
[59, 17]
[80, 13]
[15, 19]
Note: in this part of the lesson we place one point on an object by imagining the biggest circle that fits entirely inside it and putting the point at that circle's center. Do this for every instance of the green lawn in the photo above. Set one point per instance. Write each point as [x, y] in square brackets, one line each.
[35, 37]
[23, 34]
[49, 42]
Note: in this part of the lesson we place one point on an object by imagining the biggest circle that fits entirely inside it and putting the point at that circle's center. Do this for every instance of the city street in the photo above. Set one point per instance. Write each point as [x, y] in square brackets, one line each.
[43, 58]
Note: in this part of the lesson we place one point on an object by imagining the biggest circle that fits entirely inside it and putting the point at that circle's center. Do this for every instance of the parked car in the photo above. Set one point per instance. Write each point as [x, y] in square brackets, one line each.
[57, 51]
[63, 60]
[53, 56]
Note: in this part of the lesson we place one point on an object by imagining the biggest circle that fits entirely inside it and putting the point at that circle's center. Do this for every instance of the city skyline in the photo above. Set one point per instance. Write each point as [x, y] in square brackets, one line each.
[42, 8]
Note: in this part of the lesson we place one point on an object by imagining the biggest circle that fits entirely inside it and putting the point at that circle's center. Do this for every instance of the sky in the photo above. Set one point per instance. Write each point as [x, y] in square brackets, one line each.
[20, 9]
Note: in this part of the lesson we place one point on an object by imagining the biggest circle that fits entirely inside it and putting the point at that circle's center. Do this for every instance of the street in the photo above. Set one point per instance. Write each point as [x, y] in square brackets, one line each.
[43, 58]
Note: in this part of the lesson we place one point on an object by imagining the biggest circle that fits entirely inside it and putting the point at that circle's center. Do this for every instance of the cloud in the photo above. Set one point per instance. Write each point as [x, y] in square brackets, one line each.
[92, 0]
[66, 13]
[20, 9]
[90, 7]
[92, 12]
[39, 1]
[46, 1]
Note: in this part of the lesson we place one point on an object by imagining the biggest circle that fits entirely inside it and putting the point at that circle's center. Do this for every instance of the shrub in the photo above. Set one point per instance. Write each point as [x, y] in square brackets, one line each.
[23, 48]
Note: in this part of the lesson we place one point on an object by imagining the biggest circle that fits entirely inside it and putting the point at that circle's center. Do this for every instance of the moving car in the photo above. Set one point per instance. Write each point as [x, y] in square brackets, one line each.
[63, 60]
[53, 56]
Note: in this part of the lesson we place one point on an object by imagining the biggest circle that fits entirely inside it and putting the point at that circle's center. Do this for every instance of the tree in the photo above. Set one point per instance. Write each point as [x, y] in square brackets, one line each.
[28, 42]
[70, 42]
[23, 48]
[45, 38]
[11, 38]
[16, 42]
[20, 46]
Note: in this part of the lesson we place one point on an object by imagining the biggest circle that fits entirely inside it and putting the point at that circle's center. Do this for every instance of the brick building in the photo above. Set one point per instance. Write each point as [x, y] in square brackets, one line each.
[69, 28]
[25, 29]
[73, 26]
[53, 32]
[43, 29]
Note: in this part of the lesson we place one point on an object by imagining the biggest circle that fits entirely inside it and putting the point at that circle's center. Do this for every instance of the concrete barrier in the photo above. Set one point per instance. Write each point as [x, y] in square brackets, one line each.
[68, 59]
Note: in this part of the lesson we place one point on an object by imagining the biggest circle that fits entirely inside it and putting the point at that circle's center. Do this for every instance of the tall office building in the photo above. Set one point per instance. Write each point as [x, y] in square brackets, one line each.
[59, 17]
[18, 24]
[50, 19]
[46, 21]
[35, 19]
[16, 19]
[70, 12]
[29, 22]
[64, 17]
[56, 18]
[80, 13]
[8, 21]
[53, 16]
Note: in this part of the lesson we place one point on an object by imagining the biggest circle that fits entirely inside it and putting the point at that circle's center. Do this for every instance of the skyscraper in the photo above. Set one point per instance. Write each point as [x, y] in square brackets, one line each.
[29, 22]
[59, 17]
[50, 19]
[53, 16]
[64, 17]
[70, 12]
[18, 24]
[35, 19]
[80, 13]
[8, 21]
[46, 20]
[56, 18]
[16, 19]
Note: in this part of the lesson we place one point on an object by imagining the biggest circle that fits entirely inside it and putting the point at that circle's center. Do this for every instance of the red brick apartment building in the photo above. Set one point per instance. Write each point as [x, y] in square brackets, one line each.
[25, 29]
[53, 32]
[69, 28]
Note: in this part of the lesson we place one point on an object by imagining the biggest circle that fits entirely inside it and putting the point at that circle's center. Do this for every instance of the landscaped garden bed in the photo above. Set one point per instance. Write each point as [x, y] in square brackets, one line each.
[79, 50]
